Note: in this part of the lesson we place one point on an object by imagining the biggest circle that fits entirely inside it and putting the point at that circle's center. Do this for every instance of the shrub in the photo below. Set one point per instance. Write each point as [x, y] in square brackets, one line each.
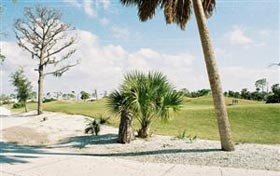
[49, 100]
[272, 99]
[275, 97]
[18, 105]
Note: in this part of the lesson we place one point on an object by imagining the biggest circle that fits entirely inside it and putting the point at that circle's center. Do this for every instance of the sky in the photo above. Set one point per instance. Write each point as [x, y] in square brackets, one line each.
[113, 42]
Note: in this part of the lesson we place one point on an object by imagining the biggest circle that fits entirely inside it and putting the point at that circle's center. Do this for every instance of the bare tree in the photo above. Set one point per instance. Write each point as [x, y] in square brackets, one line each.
[42, 33]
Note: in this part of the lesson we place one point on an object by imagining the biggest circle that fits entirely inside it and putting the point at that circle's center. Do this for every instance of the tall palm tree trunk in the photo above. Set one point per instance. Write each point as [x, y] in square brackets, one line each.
[214, 78]
[126, 133]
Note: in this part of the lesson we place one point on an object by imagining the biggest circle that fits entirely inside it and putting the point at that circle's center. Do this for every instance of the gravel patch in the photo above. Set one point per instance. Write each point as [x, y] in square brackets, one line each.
[164, 149]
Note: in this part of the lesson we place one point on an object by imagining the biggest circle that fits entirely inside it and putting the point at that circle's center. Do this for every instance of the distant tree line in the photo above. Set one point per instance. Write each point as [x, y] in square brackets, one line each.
[260, 94]
[194, 94]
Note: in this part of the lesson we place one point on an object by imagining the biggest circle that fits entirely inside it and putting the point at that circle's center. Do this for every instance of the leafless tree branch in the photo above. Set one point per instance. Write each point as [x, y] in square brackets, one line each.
[59, 72]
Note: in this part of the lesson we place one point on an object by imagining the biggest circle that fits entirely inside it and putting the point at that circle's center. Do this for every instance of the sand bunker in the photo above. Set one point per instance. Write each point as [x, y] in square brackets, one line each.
[25, 136]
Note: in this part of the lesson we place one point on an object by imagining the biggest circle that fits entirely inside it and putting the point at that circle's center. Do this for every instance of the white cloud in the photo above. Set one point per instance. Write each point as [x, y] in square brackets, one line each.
[75, 3]
[105, 3]
[88, 8]
[13, 61]
[237, 36]
[104, 21]
[120, 32]
[265, 32]
[102, 68]
[236, 78]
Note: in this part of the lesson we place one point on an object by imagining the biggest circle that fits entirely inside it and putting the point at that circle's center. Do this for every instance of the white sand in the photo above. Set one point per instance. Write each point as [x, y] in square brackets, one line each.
[4, 112]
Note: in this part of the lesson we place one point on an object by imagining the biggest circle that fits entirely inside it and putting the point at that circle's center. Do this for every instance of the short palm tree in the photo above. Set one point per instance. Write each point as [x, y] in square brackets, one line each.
[146, 97]
[150, 96]
[179, 12]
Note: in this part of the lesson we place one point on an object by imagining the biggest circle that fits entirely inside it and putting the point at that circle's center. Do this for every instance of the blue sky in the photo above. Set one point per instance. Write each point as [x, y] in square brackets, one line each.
[245, 35]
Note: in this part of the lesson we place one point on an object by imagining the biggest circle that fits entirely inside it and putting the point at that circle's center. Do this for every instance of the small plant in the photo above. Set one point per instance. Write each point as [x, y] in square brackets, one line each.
[183, 135]
[192, 138]
[93, 127]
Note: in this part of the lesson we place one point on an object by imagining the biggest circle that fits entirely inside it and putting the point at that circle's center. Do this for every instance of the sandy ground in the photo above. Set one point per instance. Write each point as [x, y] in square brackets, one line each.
[58, 146]
[4, 112]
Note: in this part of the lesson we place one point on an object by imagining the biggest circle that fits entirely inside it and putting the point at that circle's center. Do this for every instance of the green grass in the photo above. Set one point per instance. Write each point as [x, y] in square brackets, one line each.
[252, 122]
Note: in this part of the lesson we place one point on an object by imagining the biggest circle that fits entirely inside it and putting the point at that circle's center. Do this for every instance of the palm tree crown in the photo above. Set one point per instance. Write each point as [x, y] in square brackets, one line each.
[175, 11]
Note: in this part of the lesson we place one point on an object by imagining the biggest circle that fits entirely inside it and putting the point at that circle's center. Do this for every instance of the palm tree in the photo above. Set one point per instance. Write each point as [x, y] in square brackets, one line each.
[144, 97]
[150, 96]
[179, 12]
[118, 104]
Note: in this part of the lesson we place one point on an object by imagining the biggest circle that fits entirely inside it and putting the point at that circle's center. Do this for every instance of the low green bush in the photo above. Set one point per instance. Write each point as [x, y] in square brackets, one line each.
[18, 105]
[49, 100]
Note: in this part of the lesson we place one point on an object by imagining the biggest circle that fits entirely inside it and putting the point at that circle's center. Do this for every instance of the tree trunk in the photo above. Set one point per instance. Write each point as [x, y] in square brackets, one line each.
[144, 132]
[40, 91]
[214, 78]
[25, 107]
[126, 133]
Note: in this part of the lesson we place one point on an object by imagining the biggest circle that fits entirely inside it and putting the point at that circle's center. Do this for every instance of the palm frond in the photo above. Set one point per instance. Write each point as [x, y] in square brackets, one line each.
[183, 13]
[209, 7]
[116, 102]
[175, 11]
[169, 10]
[129, 2]
[146, 8]
[172, 101]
